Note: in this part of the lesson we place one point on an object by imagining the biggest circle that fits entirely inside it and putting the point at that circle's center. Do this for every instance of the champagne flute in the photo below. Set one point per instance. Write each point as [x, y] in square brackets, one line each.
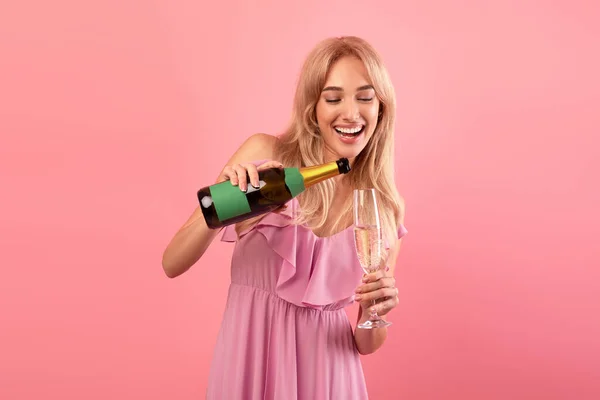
[369, 243]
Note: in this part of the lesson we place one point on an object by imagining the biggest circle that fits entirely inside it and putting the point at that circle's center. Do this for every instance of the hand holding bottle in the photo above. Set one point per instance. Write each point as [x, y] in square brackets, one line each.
[238, 174]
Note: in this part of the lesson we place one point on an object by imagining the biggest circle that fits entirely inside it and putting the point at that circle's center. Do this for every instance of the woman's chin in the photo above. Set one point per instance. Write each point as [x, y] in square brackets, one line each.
[336, 148]
[337, 153]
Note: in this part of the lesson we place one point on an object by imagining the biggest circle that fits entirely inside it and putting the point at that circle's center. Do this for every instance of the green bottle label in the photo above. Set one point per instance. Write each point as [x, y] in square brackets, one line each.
[294, 181]
[229, 200]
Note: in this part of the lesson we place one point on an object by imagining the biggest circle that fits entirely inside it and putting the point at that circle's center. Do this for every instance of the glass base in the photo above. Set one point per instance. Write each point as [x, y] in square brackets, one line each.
[374, 323]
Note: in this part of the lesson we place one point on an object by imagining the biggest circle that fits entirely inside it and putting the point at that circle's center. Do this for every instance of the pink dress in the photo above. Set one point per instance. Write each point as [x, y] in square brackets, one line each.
[285, 334]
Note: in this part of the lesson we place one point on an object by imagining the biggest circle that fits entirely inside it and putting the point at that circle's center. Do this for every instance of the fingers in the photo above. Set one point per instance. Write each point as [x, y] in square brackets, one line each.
[381, 283]
[240, 174]
[227, 174]
[374, 276]
[378, 288]
[236, 174]
[252, 174]
[385, 292]
[385, 306]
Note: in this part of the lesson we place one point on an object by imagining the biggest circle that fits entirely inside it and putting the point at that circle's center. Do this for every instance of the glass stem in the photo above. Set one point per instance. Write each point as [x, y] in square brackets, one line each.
[374, 312]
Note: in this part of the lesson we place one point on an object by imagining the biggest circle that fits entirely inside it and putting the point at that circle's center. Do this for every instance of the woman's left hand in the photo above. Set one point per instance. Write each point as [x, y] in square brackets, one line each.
[378, 286]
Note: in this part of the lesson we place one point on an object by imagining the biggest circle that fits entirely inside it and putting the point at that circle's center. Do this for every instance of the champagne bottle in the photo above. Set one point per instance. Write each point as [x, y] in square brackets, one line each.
[224, 204]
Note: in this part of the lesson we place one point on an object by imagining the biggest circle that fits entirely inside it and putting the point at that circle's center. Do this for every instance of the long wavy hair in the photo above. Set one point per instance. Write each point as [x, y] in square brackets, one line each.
[301, 144]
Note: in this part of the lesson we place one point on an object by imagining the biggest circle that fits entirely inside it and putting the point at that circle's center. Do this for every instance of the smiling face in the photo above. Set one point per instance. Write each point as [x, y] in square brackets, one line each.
[347, 109]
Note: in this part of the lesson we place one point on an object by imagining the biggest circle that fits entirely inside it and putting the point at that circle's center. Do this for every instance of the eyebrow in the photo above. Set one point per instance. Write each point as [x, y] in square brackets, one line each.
[339, 89]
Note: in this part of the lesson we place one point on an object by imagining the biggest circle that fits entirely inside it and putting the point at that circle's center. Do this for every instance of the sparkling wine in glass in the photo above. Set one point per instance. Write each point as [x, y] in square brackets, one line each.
[369, 243]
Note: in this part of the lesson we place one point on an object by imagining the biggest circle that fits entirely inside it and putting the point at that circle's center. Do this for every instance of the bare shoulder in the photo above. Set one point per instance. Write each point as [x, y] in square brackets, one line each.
[263, 143]
[259, 146]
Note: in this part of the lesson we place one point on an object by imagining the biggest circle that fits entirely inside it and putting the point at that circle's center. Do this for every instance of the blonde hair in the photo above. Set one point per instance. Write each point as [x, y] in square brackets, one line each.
[301, 144]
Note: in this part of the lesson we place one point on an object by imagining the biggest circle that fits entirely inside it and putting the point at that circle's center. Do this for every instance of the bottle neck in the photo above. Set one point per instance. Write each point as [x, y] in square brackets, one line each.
[319, 173]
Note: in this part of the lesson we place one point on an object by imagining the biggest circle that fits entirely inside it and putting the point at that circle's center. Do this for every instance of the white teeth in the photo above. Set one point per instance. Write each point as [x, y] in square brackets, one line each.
[349, 130]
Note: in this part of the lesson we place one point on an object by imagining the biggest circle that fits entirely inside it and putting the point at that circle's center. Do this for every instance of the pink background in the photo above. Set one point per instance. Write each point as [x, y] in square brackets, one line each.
[113, 113]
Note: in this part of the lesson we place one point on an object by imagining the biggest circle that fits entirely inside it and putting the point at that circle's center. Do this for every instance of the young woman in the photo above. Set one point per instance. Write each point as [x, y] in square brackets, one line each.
[285, 334]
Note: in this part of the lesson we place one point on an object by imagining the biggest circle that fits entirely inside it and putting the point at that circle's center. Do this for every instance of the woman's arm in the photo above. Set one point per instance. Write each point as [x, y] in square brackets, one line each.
[193, 238]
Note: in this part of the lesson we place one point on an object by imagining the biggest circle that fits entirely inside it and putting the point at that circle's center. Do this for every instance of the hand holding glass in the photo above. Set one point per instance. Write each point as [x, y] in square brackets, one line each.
[369, 243]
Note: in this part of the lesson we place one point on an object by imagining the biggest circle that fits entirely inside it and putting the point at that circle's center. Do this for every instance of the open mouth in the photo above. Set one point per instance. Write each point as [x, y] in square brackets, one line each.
[350, 132]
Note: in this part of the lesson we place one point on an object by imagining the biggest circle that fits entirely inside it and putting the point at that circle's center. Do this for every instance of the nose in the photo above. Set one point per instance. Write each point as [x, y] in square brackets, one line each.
[350, 111]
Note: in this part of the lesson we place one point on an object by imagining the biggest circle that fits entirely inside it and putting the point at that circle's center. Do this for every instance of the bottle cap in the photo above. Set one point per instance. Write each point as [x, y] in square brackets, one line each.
[343, 165]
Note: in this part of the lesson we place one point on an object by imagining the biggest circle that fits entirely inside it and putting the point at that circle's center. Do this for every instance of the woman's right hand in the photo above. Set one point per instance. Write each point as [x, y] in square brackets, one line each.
[237, 173]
